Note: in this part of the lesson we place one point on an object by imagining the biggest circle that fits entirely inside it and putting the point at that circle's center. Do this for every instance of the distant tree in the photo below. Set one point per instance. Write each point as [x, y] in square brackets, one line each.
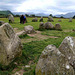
[74, 17]
[17, 15]
[51, 15]
[54, 17]
[61, 17]
[33, 15]
[27, 15]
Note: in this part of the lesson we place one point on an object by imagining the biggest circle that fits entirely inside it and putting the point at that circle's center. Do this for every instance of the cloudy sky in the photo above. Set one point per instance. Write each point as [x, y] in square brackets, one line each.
[39, 6]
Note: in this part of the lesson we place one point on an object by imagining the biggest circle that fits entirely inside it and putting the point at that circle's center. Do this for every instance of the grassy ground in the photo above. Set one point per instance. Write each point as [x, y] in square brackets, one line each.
[33, 48]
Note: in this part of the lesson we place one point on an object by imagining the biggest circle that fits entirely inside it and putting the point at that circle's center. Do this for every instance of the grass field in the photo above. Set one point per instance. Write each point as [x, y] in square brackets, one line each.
[32, 46]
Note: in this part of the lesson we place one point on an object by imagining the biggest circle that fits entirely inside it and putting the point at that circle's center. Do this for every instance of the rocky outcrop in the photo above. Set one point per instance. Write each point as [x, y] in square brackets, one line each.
[10, 45]
[29, 29]
[59, 61]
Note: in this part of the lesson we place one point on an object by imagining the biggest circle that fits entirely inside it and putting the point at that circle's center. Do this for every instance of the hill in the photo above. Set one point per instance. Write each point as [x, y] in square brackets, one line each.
[68, 15]
[5, 12]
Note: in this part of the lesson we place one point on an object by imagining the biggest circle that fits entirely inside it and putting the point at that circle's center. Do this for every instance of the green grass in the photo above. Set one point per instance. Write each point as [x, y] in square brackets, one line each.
[31, 51]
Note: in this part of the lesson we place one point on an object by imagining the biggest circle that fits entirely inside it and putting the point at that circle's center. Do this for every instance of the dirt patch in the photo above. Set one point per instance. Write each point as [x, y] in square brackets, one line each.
[36, 37]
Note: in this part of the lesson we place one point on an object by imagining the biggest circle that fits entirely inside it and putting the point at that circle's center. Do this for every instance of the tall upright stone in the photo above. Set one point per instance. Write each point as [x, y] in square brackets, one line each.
[10, 18]
[70, 19]
[41, 19]
[10, 45]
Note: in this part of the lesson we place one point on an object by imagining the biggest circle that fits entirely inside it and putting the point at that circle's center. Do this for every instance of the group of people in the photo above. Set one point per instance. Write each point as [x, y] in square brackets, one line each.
[22, 19]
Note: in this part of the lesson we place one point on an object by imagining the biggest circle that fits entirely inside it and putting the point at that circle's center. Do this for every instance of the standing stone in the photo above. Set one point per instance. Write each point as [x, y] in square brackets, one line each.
[35, 19]
[48, 25]
[10, 45]
[41, 19]
[41, 26]
[50, 19]
[29, 29]
[70, 20]
[67, 47]
[58, 26]
[59, 20]
[11, 18]
[53, 62]
[1, 22]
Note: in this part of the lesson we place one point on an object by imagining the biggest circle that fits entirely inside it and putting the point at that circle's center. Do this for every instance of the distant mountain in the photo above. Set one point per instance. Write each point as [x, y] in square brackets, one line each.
[5, 12]
[30, 13]
[68, 15]
[41, 14]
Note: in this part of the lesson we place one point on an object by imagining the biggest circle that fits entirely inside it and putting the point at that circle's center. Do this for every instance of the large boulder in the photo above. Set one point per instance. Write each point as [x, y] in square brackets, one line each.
[1, 22]
[48, 25]
[10, 18]
[29, 29]
[41, 26]
[35, 19]
[41, 19]
[50, 19]
[10, 45]
[53, 62]
[58, 26]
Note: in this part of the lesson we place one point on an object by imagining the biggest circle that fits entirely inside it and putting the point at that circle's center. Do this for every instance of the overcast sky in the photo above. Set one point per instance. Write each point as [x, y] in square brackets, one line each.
[39, 6]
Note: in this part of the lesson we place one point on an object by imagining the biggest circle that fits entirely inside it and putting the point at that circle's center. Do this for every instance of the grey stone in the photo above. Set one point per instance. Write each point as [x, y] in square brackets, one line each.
[10, 18]
[50, 19]
[35, 19]
[41, 19]
[58, 26]
[70, 20]
[48, 25]
[59, 20]
[29, 29]
[53, 62]
[10, 45]
[41, 26]
[1, 22]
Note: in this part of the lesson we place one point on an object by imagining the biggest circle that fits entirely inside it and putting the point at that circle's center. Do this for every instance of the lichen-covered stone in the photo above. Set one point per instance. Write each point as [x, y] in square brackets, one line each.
[58, 26]
[10, 45]
[10, 18]
[29, 29]
[48, 25]
[1, 22]
[53, 62]
[41, 26]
